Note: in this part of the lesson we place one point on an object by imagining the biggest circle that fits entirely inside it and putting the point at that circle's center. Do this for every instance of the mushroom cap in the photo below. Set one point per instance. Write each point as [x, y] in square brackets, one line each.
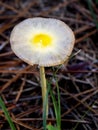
[42, 41]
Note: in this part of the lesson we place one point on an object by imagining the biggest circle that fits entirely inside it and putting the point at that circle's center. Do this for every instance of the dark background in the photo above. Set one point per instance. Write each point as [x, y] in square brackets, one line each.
[78, 80]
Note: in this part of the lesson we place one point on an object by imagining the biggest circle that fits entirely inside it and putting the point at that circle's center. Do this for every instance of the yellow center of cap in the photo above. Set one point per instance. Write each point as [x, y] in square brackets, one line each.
[42, 40]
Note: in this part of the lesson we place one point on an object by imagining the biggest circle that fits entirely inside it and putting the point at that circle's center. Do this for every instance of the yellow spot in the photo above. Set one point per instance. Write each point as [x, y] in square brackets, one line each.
[42, 40]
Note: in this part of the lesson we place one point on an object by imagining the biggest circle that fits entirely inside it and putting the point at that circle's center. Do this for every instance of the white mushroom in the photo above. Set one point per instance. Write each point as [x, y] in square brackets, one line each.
[42, 41]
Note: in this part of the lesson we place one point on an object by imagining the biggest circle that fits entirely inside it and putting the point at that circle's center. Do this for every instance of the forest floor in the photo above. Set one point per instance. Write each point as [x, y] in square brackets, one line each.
[78, 80]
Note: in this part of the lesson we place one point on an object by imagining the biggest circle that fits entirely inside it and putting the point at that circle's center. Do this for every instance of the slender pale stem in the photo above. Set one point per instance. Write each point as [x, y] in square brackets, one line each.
[44, 88]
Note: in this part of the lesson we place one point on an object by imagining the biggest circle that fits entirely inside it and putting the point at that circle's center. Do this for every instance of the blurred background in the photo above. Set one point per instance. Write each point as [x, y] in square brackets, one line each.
[78, 80]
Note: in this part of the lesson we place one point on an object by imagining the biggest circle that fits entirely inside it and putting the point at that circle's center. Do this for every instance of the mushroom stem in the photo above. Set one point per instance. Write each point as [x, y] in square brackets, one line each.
[44, 90]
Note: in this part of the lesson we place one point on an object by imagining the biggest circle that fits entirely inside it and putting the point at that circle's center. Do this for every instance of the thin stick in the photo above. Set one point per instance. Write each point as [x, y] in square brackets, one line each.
[44, 88]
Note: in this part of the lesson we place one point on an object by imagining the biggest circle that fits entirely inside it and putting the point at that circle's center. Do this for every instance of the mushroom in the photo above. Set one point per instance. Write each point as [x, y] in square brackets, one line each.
[42, 41]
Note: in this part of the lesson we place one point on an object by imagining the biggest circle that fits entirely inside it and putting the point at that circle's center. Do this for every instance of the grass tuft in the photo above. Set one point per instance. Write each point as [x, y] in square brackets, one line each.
[7, 114]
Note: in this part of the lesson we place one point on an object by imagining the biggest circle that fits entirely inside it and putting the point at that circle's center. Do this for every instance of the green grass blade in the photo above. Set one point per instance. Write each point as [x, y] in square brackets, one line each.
[92, 12]
[50, 127]
[44, 110]
[58, 93]
[54, 101]
[59, 106]
[44, 117]
[56, 108]
[7, 114]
